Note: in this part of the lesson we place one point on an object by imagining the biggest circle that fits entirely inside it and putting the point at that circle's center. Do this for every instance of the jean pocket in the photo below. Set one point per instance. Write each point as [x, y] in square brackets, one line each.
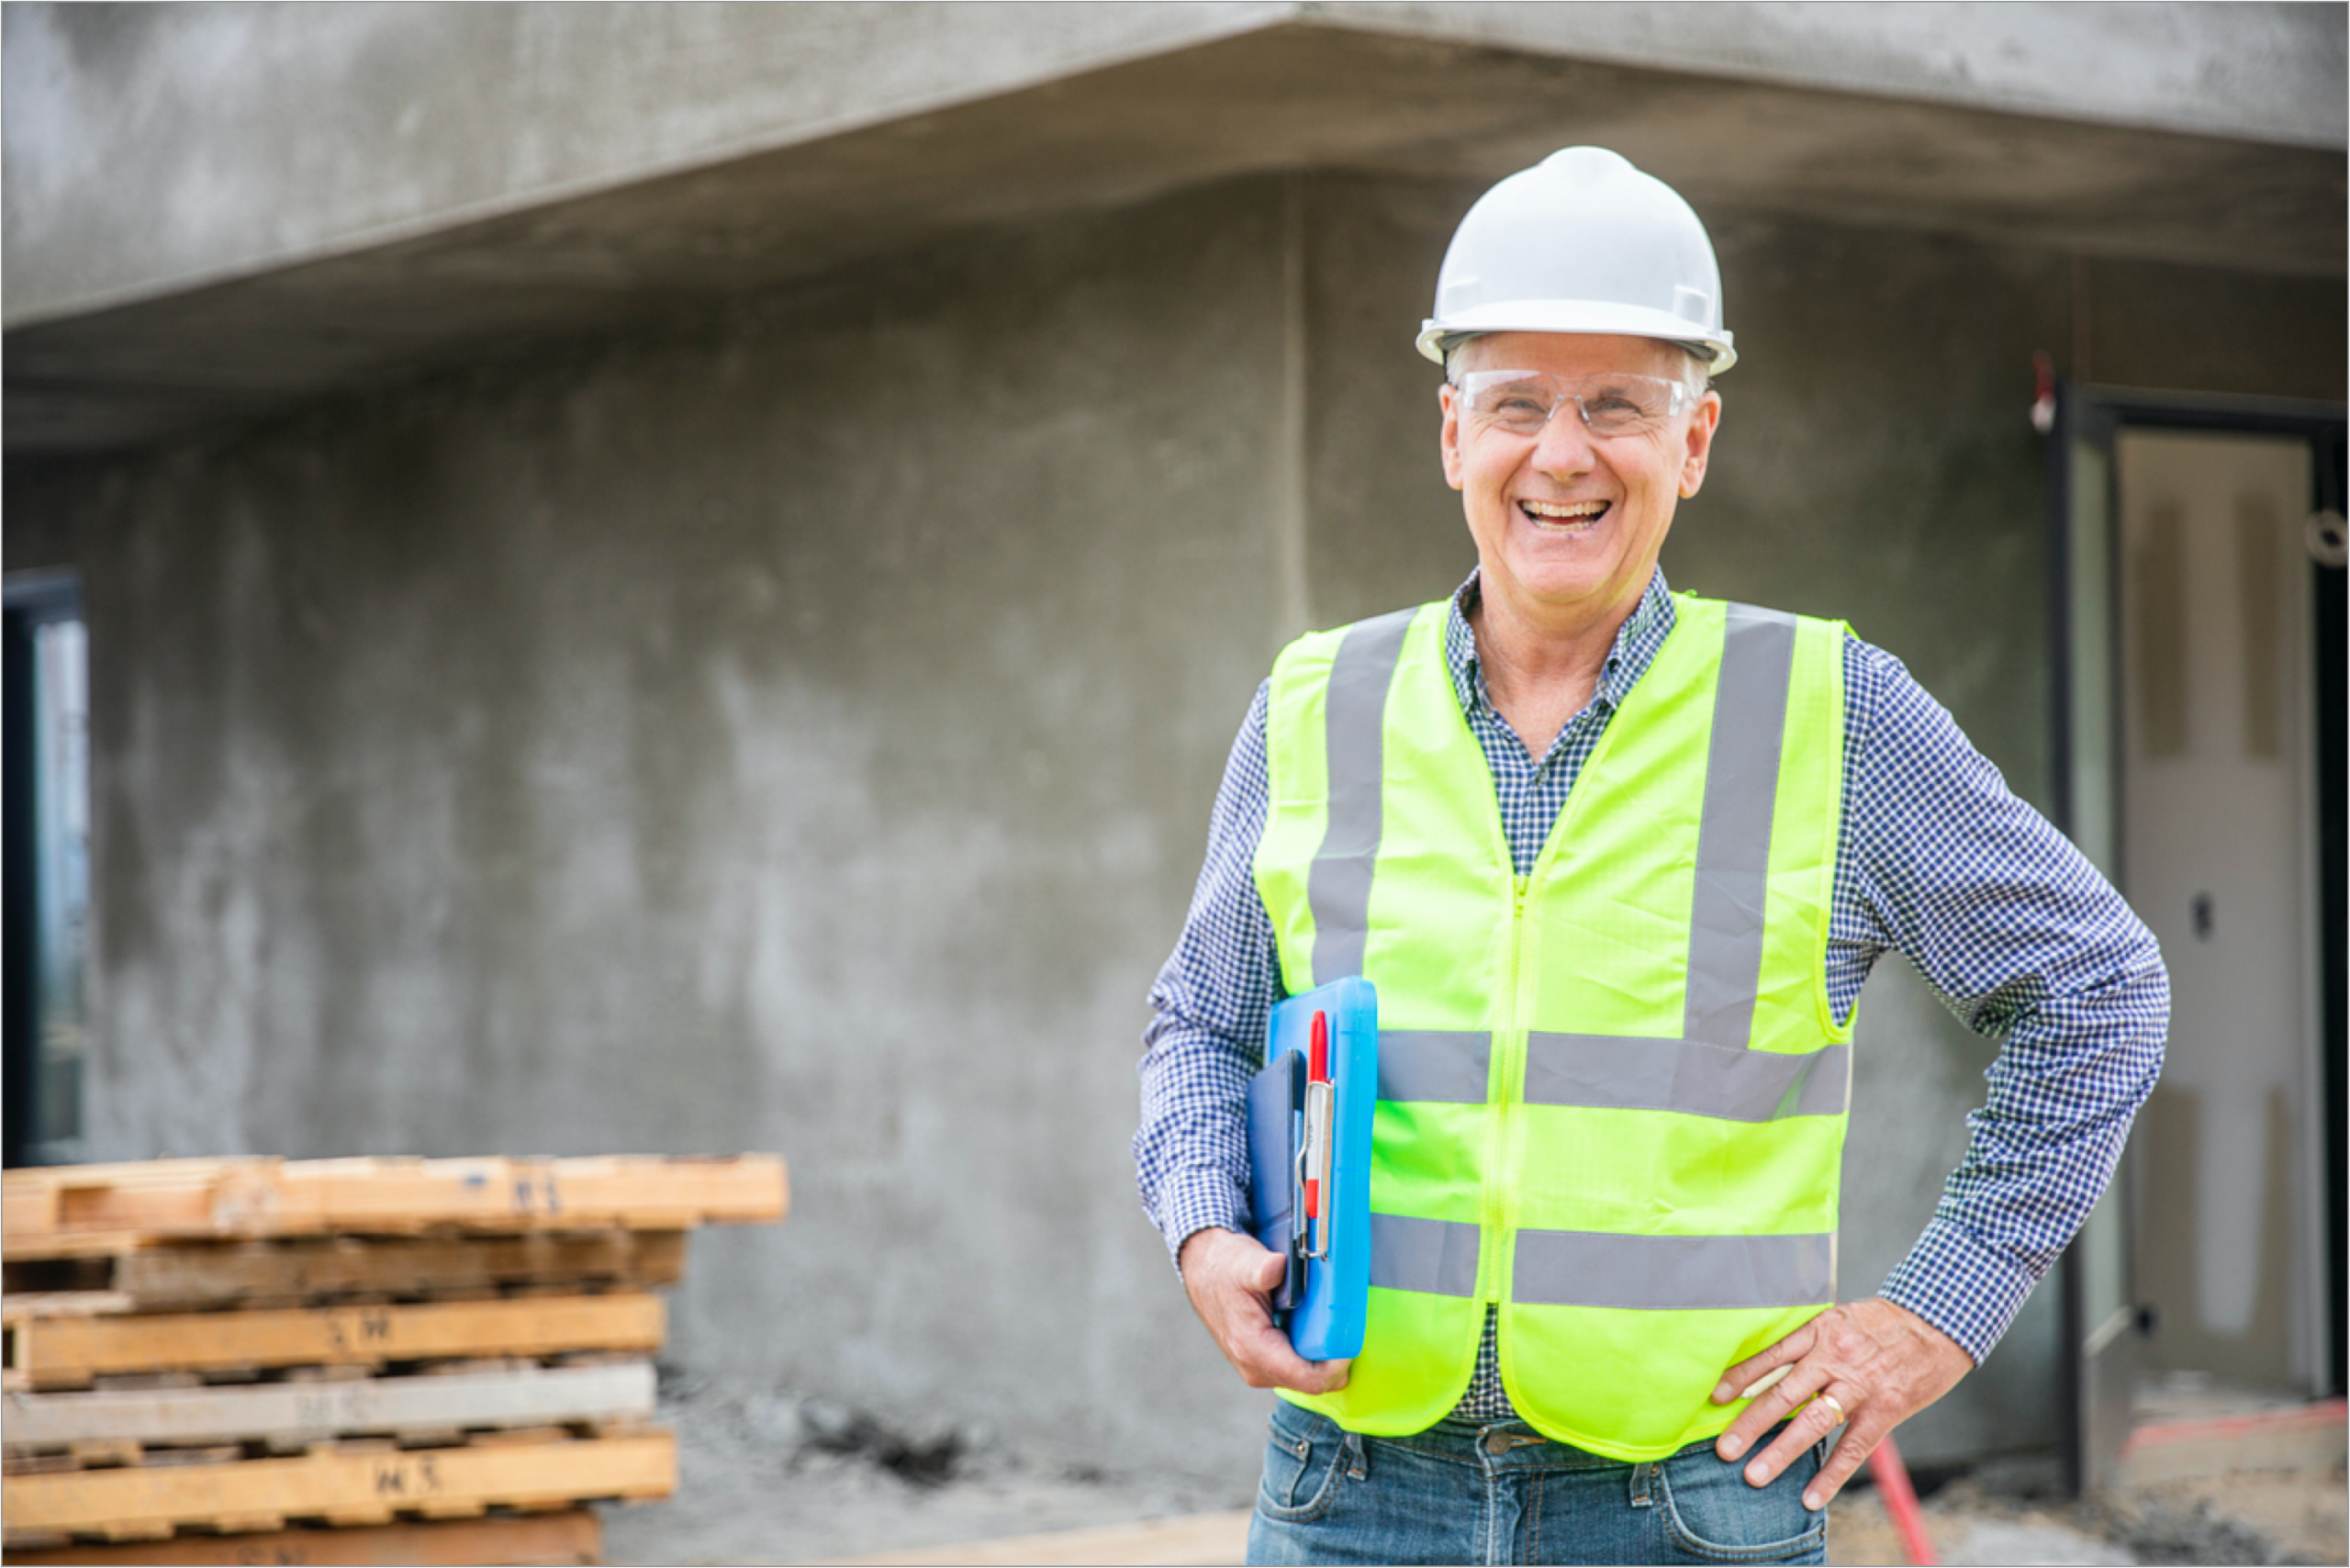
[1714, 1515]
[1304, 1455]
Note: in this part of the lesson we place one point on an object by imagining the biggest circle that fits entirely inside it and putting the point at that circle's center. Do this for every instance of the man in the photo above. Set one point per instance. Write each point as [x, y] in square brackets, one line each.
[1629, 857]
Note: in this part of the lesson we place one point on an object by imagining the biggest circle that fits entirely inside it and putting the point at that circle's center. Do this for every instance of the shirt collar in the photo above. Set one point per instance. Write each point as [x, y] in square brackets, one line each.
[1636, 642]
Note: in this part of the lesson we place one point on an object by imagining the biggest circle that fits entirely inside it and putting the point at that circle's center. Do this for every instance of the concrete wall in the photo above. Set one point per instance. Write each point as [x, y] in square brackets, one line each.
[798, 737]
[797, 730]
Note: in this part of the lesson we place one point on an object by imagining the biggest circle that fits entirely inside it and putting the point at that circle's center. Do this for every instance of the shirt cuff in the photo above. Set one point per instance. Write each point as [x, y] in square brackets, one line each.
[1960, 1286]
[1196, 1199]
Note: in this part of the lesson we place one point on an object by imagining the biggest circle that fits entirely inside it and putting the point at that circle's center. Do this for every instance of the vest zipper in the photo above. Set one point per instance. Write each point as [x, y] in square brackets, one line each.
[1509, 1043]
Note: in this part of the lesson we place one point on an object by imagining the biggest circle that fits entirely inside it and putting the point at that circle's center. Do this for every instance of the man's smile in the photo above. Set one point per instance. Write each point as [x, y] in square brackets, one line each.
[1562, 517]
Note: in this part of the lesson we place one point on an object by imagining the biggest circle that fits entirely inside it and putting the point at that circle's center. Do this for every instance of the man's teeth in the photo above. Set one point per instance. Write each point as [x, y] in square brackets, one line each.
[1580, 511]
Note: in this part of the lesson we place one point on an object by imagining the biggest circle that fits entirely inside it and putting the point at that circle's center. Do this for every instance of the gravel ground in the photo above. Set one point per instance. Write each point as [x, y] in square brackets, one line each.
[2246, 1517]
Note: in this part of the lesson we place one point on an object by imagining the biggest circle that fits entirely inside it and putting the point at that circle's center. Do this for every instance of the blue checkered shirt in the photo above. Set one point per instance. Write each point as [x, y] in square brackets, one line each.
[1936, 859]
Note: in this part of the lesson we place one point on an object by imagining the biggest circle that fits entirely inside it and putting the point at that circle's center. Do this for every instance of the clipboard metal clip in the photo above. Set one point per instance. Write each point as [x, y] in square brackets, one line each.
[1296, 1235]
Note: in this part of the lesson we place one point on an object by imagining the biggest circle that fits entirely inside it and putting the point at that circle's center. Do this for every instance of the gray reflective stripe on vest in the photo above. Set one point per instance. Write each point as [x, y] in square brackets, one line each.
[1354, 713]
[1449, 1066]
[1437, 1257]
[1694, 1077]
[1734, 833]
[1666, 1273]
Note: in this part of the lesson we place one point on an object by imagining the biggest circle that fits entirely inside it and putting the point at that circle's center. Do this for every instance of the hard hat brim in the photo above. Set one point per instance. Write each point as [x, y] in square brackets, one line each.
[1577, 316]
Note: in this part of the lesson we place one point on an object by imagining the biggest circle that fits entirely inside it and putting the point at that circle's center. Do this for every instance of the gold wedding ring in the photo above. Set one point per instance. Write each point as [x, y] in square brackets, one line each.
[1824, 1397]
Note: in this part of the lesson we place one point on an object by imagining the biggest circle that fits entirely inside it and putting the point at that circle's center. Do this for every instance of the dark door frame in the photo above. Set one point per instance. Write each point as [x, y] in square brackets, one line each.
[29, 600]
[2094, 414]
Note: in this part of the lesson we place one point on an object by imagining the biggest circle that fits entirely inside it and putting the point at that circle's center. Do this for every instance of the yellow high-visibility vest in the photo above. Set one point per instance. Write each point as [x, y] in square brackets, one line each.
[1612, 1094]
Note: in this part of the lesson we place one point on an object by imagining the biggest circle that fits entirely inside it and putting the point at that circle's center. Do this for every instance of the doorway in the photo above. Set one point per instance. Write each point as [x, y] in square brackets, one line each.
[2218, 853]
[2198, 591]
[46, 862]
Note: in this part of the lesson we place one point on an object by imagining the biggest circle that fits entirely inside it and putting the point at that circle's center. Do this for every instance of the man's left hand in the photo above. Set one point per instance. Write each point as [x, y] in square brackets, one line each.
[1866, 1366]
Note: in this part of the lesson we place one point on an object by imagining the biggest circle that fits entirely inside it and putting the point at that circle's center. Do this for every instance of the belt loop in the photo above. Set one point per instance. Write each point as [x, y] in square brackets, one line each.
[1642, 1473]
[1355, 1470]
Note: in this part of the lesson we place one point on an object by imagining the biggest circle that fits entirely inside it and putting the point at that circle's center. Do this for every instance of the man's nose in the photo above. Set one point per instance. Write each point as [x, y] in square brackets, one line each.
[1565, 446]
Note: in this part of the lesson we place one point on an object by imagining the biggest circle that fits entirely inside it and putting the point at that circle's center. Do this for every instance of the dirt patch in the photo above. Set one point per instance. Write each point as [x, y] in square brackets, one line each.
[774, 1475]
[2013, 1511]
[2240, 1516]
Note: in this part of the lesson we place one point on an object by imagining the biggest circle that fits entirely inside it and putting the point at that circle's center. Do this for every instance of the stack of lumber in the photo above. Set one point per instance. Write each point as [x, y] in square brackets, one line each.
[342, 1360]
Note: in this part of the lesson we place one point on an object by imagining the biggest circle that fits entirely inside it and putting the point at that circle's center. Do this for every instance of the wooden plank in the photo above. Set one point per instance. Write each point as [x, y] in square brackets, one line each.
[1200, 1537]
[573, 1536]
[314, 1411]
[47, 1208]
[68, 1353]
[162, 1194]
[168, 1276]
[90, 1501]
[65, 1304]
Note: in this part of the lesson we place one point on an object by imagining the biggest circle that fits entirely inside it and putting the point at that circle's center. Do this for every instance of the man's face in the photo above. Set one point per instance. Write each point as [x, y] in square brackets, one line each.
[1567, 520]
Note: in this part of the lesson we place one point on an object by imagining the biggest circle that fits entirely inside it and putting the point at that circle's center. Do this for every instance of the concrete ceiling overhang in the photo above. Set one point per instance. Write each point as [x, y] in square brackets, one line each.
[1298, 95]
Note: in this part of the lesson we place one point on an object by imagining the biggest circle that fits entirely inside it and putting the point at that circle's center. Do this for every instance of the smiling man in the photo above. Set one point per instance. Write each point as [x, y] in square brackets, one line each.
[1632, 856]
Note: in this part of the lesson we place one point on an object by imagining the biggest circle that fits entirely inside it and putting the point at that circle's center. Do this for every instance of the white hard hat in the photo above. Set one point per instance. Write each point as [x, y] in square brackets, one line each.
[1581, 242]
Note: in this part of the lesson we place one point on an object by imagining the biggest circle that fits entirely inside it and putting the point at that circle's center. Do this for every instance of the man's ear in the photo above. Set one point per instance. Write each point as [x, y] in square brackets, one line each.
[1700, 443]
[1448, 435]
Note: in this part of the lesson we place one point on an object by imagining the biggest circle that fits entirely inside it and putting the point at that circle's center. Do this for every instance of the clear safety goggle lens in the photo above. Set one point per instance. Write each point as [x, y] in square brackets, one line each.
[1523, 402]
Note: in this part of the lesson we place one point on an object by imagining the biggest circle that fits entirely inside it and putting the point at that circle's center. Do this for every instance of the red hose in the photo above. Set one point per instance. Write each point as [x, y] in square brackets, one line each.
[1901, 1501]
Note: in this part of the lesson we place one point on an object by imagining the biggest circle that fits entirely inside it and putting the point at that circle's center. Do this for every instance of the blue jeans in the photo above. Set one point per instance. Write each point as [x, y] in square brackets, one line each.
[1464, 1493]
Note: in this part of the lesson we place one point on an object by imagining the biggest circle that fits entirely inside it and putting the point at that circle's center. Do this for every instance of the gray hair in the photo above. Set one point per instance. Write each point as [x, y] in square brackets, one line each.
[1693, 373]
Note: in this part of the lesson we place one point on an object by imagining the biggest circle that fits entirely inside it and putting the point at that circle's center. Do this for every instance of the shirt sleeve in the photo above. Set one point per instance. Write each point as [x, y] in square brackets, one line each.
[1209, 1009]
[2019, 936]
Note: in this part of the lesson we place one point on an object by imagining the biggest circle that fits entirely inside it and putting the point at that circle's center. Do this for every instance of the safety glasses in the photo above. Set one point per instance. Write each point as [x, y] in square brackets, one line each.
[1524, 402]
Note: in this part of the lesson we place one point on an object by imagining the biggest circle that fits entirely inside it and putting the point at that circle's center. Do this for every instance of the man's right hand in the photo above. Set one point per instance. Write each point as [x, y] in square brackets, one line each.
[1230, 1279]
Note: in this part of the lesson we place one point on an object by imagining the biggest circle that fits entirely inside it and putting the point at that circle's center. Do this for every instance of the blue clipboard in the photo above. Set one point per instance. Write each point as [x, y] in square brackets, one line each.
[1316, 1208]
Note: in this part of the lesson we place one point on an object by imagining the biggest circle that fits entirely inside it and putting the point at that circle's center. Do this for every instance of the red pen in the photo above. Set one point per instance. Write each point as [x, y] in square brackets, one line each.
[1318, 1128]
